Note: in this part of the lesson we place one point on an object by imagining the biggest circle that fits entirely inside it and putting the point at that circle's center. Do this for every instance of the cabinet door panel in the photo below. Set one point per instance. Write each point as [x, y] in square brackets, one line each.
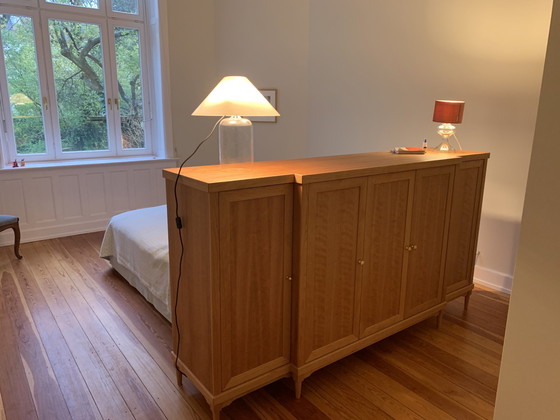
[463, 228]
[329, 289]
[430, 214]
[388, 212]
[255, 263]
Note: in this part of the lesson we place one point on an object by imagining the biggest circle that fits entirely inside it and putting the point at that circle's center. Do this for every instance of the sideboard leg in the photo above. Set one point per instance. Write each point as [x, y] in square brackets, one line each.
[440, 318]
[298, 386]
[215, 412]
[467, 299]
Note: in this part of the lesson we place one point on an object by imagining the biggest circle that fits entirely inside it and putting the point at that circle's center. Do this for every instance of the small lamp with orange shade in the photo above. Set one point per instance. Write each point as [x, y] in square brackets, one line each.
[448, 113]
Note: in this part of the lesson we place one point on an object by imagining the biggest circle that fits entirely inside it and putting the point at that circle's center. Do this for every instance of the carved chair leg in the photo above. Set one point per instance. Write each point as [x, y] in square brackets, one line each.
[179, 378]
[17, 237]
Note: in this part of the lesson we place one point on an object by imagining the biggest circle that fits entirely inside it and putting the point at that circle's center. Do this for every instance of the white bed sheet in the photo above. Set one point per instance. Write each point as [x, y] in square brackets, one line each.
[137, 241]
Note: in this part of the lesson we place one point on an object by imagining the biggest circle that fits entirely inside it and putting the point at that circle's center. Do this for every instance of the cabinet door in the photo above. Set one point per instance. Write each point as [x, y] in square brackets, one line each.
[328, 289]
[388, 213]
[255, 267]
[428, 238]
[463, 228]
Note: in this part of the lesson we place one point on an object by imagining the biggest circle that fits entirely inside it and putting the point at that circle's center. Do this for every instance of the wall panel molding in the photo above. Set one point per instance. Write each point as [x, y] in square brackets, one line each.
[69, 200]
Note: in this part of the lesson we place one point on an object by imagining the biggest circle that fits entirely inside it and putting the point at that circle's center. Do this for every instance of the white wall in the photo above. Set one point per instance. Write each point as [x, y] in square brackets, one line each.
[362, 75]
[378, 66]
[192, 69]
[530, 372]
[268, 42]
[265, 41]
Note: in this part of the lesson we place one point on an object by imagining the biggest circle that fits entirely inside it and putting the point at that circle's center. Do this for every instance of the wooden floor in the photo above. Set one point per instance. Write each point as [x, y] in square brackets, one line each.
[77, 342]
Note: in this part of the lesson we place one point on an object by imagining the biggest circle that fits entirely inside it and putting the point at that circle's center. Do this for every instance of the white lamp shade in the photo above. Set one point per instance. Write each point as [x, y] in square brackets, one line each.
[236, 95]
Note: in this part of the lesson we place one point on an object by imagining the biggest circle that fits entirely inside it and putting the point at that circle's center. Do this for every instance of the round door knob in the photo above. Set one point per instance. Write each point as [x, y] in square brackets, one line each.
[361, 262]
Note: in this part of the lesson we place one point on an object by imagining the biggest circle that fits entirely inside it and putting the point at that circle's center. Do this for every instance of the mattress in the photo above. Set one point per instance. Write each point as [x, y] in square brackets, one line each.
[135, 242]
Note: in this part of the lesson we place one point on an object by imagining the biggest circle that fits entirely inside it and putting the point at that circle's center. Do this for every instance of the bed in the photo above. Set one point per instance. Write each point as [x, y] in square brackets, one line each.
[135, 243]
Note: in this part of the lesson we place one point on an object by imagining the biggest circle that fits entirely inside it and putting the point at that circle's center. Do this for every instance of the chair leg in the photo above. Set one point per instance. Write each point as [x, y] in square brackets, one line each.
[17, 238]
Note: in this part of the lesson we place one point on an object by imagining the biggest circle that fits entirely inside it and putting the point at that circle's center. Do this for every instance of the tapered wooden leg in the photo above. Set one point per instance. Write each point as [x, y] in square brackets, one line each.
[467, 299]
[298, 386]
[215, 412]
[17, 238]
[440, 318]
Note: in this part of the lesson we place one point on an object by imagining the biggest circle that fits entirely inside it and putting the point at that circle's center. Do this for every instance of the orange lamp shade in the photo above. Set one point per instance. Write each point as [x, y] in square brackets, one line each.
[449, 111]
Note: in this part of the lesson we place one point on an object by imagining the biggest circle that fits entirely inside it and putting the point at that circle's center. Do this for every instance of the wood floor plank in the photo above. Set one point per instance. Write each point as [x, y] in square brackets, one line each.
[239, 410]
[446, 365]
[340, 374]
[76, 394]
[339, 401]
[396, 355]
[151, 324]
[477, 320]
[167, 394]
[2, 412]
[79, 312]
[16, 395]
[483, 359]
[266, 407]
[41, 376]
[105, 393]
[463, 336]
[139, 400]
[395, 389]
[419, 387]
[170, 398]
[300, 408]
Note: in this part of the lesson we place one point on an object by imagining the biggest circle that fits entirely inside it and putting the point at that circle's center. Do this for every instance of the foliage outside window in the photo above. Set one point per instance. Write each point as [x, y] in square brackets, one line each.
[73, 80]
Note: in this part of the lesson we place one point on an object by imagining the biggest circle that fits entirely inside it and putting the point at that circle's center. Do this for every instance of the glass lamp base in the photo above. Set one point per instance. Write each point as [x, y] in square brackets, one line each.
[235, 140]
[444, 146]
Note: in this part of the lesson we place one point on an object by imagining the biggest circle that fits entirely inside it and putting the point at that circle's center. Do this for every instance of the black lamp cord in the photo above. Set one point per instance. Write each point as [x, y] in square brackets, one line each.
[179, 224]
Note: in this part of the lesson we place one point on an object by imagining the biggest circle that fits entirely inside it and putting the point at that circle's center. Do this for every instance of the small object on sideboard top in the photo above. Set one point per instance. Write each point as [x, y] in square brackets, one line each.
[409, 150]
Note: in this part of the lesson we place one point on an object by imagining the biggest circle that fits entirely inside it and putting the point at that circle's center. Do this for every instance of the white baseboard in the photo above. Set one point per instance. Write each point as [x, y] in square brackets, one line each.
[40, 234]
[493, 279]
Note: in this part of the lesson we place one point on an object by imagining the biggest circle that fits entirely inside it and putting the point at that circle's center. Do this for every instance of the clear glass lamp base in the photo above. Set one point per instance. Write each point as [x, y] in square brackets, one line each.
[235, 140]
[444, 146]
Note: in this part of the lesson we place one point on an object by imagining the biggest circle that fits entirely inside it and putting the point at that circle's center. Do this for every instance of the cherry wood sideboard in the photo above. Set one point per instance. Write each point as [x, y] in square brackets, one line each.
[288, 266]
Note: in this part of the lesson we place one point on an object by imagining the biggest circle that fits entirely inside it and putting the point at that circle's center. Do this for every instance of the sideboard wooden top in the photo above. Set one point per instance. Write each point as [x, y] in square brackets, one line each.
[214, 178]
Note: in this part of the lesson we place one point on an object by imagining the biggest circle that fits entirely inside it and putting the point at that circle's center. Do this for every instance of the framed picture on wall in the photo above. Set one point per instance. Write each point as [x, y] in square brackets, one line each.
[270, 95]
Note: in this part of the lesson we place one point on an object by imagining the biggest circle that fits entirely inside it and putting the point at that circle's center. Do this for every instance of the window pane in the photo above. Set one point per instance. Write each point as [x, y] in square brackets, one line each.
[125, 6]
[77, 58]
[127, 48]
[23, 86]
[90, 4]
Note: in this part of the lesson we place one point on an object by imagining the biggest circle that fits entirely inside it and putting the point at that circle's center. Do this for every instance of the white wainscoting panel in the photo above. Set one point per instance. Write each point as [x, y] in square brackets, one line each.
[69, 200]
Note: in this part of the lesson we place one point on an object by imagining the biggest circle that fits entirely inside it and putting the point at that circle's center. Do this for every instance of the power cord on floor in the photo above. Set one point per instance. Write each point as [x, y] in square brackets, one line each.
[179, 224]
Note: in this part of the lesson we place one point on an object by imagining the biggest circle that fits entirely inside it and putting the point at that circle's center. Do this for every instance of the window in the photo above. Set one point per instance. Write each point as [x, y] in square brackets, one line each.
[73, 79]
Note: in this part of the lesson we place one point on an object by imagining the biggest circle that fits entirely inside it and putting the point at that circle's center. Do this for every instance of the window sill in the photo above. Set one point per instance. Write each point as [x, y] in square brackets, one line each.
[88, 162]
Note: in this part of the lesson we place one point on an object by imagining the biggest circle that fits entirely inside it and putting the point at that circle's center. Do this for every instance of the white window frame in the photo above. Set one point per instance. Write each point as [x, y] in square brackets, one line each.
[144, 72]
[41, 13]
[19, 2]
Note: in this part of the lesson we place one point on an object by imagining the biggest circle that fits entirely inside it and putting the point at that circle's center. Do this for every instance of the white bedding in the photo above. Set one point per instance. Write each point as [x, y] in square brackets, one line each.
[136, 244]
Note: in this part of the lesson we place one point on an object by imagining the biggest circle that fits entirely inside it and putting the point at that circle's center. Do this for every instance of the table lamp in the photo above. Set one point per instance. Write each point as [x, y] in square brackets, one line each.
[235, 97]
[448, 113]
